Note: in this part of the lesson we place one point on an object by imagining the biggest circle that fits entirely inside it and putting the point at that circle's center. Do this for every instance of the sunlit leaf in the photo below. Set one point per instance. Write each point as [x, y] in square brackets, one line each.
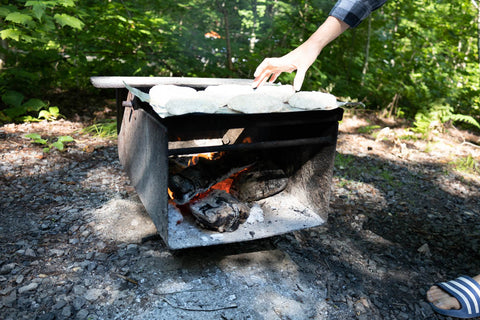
[58, 145]
[67, 20]
[19, 18]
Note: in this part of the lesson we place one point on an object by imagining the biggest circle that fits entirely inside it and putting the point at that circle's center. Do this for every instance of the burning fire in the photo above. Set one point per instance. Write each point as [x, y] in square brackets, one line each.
[194, 159]
[224, 185]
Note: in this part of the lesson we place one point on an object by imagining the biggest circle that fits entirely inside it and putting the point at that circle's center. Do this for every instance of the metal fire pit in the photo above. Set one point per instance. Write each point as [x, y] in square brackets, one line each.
[303, 141]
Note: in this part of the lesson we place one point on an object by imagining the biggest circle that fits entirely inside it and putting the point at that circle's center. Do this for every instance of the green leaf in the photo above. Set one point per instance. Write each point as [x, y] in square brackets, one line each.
[58, 145]
[13, 34]
[54, 111]
[13, 98]
[66, 3]
[20, 18]
[38, 10]
[28, 119]
[15, 112]
[34, 104]
[4, 11]
[65, 139]
[45, 115]
[34, 136]
[67, 20]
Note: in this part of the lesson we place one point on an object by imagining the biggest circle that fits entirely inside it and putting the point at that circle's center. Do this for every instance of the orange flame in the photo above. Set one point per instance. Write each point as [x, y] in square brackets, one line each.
[194, 159]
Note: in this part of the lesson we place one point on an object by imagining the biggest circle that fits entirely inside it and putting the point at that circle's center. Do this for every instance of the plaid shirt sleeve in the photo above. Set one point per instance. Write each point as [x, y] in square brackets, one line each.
[352, 12]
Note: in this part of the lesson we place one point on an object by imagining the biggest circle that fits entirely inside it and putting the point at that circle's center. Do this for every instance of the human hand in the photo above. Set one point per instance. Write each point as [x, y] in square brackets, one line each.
[299, 59]
[302, 57]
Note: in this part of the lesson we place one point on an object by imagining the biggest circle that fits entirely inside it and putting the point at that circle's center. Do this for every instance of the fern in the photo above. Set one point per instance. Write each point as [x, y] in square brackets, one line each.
[437, 116]
[464, 118]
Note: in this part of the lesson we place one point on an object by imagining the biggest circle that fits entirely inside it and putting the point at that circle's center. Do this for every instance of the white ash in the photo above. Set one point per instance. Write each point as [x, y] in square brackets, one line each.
[256, 214]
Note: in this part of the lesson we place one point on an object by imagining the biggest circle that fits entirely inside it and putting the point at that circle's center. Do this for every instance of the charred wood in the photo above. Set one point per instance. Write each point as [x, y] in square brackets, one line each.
[259, 183]
[198, 178]
[219, 211]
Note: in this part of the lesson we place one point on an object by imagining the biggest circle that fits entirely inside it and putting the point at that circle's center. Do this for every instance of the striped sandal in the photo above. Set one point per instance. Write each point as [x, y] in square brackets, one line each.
[467, 292]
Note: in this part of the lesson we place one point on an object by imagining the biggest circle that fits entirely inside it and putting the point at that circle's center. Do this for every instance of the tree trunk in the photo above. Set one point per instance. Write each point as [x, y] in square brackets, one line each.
[477, 5]
[367, 50]
[227, 36]
[253, 36]
[3, 55]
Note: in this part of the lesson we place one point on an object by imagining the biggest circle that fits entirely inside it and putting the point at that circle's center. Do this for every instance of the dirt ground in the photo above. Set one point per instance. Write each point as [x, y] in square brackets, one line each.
[76, 242]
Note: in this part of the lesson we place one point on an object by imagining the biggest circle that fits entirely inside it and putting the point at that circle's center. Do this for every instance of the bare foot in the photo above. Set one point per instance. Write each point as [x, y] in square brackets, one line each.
[443, 300]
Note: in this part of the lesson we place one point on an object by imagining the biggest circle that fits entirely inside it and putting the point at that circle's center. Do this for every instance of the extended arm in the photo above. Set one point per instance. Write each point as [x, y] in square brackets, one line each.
[345, 14]
[302, 57]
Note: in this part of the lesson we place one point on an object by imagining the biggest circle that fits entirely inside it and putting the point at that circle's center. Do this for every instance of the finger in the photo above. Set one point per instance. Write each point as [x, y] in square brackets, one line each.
[299, 77]
[275, 76]
[261, 79]
[261, 67]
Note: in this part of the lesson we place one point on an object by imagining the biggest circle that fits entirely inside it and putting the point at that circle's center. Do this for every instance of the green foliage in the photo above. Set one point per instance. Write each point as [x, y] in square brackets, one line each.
[368, 129]
[466, 164]
[52, 113]
[59, 144]
[437, 116]
[105, 129]
[342, 161]
[21, 112]
[18, 111]
[418, 51]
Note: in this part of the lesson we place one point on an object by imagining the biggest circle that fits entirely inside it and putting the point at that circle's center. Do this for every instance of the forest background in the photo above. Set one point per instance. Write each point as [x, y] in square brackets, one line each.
[415, 60]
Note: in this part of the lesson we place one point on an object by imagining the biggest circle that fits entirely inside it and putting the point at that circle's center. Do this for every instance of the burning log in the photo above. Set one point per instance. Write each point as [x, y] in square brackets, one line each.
[198, 178]
[258, 183]
[219, 211]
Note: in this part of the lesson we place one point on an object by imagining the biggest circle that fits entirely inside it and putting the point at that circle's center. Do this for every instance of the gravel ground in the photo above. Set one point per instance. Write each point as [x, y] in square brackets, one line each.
[76, 243]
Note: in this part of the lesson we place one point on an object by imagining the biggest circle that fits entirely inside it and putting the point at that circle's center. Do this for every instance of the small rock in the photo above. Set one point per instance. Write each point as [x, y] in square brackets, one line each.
[56, 252]
[19, 279]
[28, 287]
[93, 294]
[7, 268]
[67, 311]
[30, 253]
[9, 300]
[79, 302]
[82, 314]
[79, 290]
[60, 304]
[425, 250]
[132, 248]
[46, 316]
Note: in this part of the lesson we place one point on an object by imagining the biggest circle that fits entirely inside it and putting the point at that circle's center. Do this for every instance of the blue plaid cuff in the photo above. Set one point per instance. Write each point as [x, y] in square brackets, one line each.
[352, 12]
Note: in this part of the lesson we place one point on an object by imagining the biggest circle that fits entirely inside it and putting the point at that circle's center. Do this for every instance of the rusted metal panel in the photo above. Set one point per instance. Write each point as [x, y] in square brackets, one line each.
[142, 150]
